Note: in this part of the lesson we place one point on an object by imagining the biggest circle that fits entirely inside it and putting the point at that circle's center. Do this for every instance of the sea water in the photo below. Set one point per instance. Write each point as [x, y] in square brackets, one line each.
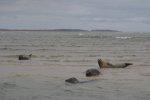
[59, 55]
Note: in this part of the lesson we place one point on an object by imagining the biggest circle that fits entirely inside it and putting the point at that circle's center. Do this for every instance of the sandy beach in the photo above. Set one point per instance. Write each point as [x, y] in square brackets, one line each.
[60, 55]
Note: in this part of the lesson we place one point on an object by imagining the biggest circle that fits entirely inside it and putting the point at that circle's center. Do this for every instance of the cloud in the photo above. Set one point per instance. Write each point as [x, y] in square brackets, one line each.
[87, 14]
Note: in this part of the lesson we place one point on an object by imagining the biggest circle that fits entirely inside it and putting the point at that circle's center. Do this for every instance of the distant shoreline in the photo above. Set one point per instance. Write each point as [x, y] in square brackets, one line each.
[65, 30]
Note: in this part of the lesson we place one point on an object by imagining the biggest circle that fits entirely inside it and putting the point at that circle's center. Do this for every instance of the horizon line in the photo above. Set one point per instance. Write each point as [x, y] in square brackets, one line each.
[57, 29]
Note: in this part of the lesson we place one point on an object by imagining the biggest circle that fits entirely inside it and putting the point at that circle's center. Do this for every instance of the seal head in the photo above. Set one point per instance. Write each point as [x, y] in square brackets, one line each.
[24, 57]
[72, 80]
[92, 72]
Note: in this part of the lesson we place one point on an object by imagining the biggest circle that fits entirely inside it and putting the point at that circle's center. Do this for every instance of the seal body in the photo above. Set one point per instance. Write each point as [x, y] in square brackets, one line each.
[24, 57]
[104, 64]
[72, 80]
[92, 72]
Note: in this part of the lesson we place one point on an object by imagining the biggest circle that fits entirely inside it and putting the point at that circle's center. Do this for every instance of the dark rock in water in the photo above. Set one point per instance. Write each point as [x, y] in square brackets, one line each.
[92, 72]
[104, 64]
[72, 80]
[24, 57]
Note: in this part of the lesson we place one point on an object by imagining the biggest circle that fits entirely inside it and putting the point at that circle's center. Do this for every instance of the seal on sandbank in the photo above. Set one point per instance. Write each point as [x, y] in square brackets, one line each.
[104, 64]
[24, 57]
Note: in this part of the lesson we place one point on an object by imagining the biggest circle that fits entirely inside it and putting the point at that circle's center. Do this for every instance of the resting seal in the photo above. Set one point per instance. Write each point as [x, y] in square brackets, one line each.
[24, 57]
[104, 64]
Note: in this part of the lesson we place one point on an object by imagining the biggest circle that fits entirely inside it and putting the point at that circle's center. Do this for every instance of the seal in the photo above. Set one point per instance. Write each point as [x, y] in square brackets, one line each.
[92, 72]
[104, 64]
[72, 80]
[24, 57]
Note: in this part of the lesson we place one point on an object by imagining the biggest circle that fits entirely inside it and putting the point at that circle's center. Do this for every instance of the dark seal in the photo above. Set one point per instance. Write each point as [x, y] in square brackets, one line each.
[24, 57]
[72, 80]
[92, 72]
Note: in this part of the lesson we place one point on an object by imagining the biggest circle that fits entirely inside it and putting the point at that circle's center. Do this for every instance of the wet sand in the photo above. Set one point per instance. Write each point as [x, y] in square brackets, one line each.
[58, 56]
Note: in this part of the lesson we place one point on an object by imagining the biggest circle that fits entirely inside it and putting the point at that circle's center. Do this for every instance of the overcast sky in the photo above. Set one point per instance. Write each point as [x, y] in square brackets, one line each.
[125, 15]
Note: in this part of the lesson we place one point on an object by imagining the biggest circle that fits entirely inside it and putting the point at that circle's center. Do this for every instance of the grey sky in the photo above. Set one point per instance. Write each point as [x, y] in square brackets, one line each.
[126, 15]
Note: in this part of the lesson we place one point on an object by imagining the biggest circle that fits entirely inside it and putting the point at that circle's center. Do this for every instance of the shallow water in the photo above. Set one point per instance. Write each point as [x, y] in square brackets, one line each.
[61, 55]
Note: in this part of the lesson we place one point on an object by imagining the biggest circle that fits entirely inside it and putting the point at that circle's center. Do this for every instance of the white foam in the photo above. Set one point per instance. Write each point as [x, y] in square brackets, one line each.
[125, 37]
[80, 34]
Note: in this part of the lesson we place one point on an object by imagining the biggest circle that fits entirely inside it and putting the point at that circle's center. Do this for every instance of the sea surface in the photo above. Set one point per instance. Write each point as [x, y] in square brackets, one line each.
[59, 55]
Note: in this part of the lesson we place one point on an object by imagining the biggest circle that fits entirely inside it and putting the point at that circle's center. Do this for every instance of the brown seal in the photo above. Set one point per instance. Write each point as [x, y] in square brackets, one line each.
[104, 64]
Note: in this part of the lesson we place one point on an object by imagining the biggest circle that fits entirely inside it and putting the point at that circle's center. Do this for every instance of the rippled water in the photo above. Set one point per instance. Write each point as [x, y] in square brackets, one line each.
[61, 55]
